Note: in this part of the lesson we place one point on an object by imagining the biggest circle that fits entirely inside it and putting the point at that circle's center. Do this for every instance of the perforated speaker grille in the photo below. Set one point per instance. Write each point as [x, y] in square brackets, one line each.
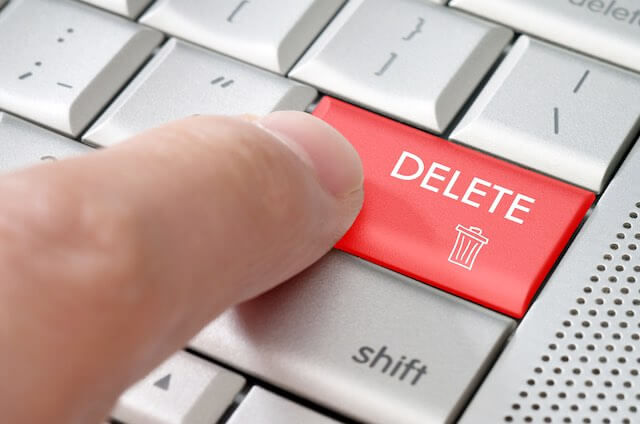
[589, 372]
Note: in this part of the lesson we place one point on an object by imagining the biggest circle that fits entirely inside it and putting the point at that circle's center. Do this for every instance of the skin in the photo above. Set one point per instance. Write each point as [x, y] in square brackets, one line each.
[114, 260]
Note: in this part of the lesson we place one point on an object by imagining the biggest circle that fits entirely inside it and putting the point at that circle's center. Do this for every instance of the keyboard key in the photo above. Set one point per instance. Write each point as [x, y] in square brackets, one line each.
[452, 217]
[580, 338]
[128, 8]
[557, 112]
[362, 340]
[23, 144]
[263, 407]
[415, 62]
[607, 29]
[72, 59]
[216, 84]
[270, 34]
[183, 390]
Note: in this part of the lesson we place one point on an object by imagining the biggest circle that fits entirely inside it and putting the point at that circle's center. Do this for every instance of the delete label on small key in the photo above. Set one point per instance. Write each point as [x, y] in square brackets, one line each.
[452, 217]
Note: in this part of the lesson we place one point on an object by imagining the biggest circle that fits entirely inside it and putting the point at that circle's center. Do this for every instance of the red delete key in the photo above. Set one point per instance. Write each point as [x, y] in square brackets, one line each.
[457, 219]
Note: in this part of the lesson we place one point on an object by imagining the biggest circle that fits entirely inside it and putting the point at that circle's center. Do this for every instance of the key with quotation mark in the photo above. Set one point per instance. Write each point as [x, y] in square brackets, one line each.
[237, 88]
[224, 84]
[57, 80]
[572, 118]
[185, 389]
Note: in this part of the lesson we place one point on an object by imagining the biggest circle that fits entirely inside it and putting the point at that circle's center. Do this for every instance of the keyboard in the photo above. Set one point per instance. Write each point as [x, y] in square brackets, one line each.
[492, 276]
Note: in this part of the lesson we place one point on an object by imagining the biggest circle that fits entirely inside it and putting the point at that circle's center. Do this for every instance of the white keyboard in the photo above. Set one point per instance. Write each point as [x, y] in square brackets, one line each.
[541, 93]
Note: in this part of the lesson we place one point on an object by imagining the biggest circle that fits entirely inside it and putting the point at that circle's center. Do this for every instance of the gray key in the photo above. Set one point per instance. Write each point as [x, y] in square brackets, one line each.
[607, 29]
[61, 61]
[128, 8]
[23, 144]
[576, 354]
[263, 407]
[362, 340]
[183, 80]
[184, 389]
[415, 61]
[271, 34]
[555, 111]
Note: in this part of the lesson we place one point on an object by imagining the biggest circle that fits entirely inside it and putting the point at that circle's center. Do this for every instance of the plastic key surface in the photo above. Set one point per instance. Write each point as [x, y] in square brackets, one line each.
[414, 61]
[607, 29]
[362, 340]
[263, 407]
[271, 34]
[572, 118]
[23, 144]
[184, 389]
[216, 85]
[70, 61]
[128, 8]
[473, 225]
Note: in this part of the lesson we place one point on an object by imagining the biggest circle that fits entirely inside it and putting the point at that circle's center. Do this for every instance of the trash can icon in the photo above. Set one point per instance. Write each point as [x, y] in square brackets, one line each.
[468, 244]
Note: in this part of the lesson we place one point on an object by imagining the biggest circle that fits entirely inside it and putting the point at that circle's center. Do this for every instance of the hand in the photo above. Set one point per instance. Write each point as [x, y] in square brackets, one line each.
[112, 261]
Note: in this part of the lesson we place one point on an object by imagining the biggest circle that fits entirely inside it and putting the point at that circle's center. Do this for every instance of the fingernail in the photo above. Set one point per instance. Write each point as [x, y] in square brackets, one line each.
[336, 163]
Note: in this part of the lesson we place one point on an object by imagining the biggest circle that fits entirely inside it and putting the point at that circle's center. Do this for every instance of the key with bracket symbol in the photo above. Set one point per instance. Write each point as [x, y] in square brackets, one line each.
[362, 57]
[416, 30]
[392, 57]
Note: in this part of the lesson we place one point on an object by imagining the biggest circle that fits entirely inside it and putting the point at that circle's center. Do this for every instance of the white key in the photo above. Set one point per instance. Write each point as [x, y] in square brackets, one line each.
[362, 340]
[23, 144]
[128, 8]
[183, 390]
[61, 61]
[555, 111]
[183, 80]
[415, 62]
[607, 29]
[263, 407]
[267, 33]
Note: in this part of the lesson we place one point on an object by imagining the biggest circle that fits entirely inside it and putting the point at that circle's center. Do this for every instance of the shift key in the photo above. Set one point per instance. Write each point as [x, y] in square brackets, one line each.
[452, 217]
[365, 341]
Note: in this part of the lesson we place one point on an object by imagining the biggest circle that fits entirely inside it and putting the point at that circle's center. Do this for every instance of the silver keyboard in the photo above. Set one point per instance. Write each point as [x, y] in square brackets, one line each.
[549, 85]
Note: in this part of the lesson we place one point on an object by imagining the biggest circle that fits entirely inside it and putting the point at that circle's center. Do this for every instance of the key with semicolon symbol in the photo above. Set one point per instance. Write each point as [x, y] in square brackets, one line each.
[184, 389]
[452, 217]
[58, 77]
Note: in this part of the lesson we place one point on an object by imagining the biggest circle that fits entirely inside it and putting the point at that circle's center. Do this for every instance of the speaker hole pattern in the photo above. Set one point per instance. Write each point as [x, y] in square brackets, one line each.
[590, 370]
